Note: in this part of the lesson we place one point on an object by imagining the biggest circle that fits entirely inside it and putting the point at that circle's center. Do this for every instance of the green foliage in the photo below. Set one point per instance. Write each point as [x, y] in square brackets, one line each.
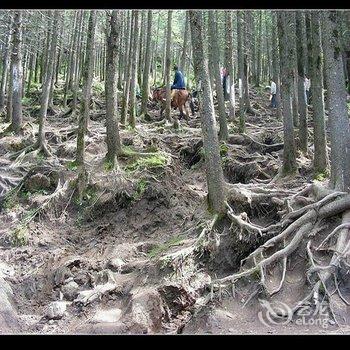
[26, 101]
[108, 165]
[321, 176]
[72, 165]
[19, 235]
[223, 149]
[98, 87]
[40, 156]
[10, 199]
[162, 248]
[153, 161]
[140, 189]
[90, 195]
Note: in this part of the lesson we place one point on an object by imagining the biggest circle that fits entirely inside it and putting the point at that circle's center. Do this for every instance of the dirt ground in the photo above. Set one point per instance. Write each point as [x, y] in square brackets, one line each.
[101, 264]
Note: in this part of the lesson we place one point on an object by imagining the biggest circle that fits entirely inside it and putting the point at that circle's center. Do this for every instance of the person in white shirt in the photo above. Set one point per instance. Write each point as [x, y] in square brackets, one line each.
[273, 91]
[307, 89]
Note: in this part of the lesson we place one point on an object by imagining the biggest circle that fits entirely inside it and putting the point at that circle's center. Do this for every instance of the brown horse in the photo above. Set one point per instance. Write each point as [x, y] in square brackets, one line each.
[179, 101]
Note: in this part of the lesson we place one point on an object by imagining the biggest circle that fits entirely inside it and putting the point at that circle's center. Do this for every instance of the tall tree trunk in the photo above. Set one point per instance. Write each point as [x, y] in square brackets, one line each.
[140, 50]
[286, 31]
[31, 70]
[214, 52]
[70, 61]
[112, 130]
[214, 173]
[78, 59]
[246, 40]
[241, 78]
[125, 102]
[316, 76]
[85, 103]
[45, 94]
[184, 48]
[276, 66]
[133, 102]
[146, 71]
[229, 64]
[167, 68]
[155, 56]
[5, 65]
[258, 58]
[9, 95]
[302, 62]
[338, 113]
[17, 73]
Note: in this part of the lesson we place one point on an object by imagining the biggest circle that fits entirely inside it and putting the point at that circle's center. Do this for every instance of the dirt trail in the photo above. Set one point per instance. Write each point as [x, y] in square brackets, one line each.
[100, 264]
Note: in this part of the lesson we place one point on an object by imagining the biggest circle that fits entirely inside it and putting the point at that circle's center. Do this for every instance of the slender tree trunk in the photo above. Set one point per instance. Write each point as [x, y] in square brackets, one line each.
[133, 105]
[5, 66]
[155, 57]
[31, 69]
[17, 73]
[316, 76]
[84, 114]
[214, 51]
[338, 114]
[70, 61]
[112, 130]
[125, 103]
[258, 63]
[229, 64]
[276, 66]
[184, 48]
[47, 85]
[146, 71]
[9, 95]
[241, 79]
[301, 62]
[214, 173]
[286, 31]
[77, 59]
[246, 63]
[167, 68]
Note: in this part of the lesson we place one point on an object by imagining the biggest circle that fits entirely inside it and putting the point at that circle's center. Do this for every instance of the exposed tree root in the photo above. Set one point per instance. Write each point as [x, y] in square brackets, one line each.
[297, 225]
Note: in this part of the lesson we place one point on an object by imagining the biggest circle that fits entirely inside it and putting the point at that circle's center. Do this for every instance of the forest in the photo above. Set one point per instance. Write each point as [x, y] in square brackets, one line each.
[174, 171]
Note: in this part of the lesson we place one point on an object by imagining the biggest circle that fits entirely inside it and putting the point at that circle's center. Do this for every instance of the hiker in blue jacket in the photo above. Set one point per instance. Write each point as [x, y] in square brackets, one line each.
[179, 81]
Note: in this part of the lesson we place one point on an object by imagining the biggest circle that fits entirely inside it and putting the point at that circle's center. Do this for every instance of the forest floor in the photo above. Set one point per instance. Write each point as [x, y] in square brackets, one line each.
[106, 266]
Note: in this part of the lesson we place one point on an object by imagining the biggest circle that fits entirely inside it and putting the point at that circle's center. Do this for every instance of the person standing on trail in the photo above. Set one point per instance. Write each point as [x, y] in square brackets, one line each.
[224, 81]
[307, 89]
[179, 81]
[273, 91]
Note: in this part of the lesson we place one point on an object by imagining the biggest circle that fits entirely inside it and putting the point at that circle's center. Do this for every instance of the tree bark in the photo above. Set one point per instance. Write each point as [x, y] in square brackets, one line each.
[127, 74]
[5, 65]
[240, 54]
[112, 129]
[286, 32]
[167, 68]
[302, 62]
[146, 71]
[214, 173]
[132, 115]
[229, 64]
[45, 94]
[17, 73]
[338, 114]
[316, 68]
[276, 66]
[84, 114]
[214, 52]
